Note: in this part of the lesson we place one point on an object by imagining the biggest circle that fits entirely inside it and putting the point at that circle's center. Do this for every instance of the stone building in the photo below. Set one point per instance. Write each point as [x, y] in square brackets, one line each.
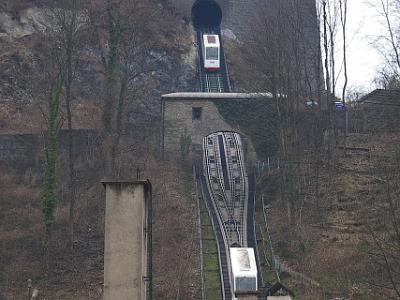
[196, 115]
[377, 111]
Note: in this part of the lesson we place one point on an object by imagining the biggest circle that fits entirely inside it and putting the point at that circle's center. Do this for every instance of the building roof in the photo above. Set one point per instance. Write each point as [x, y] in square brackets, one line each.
[105, 182]
[382, 97]
[216, 96]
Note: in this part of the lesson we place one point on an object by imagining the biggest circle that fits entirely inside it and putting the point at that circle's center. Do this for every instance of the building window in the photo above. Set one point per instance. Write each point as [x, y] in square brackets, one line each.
[196, 113]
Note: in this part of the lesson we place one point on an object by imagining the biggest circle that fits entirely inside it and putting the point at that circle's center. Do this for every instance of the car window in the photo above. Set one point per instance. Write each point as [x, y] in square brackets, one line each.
[212, 53]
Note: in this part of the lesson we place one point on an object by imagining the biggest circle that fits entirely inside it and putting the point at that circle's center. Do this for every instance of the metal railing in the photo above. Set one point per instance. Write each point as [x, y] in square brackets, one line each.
[262, 167]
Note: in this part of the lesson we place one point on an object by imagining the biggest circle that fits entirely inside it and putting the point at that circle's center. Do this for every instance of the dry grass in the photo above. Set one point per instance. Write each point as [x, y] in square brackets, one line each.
[21, 252]
[176, 239]
[20, 231]
[327, 243]
[20, 119]
[79, 275]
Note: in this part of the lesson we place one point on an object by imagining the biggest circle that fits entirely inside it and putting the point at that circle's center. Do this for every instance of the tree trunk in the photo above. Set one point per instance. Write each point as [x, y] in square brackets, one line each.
[71, 164]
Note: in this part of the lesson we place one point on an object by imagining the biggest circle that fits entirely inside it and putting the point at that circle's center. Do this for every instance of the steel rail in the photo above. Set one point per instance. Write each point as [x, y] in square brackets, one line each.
[222, 254]
[228, 208]
[215, 197]
[235, 222]
[243, 216]
[225, 276]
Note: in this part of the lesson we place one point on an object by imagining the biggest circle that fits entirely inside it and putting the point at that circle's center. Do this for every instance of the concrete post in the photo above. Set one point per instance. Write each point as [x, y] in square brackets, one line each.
[127, 257]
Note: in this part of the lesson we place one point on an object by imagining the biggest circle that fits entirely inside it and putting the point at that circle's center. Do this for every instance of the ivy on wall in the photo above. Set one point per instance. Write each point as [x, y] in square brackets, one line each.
[185, 143]
[257, 119]
[49, 192]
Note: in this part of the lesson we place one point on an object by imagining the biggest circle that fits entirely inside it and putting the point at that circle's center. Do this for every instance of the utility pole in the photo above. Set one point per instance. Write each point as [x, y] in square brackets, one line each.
[29, 288]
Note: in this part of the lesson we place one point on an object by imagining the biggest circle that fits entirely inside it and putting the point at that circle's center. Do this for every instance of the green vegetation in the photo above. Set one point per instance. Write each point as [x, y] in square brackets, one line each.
[110, 64]
[257, 119]
[185, 142]
[49, 194]
[212, 281]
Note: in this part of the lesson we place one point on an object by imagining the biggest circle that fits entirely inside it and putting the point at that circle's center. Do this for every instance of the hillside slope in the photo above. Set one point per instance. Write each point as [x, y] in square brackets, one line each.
[331, 246]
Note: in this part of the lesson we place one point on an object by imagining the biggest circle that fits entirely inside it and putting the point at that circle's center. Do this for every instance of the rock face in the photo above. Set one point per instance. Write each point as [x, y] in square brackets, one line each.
[29, 21]
[238, 15]
[240, 18]
[235, 13]
[175, 71]
[175, 68]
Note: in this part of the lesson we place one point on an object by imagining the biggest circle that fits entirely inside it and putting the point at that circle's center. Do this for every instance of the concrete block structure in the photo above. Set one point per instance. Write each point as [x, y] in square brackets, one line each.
[127, 257]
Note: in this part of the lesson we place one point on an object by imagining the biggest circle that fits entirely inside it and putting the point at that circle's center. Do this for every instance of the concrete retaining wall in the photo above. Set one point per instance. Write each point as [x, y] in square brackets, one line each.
[126, 241]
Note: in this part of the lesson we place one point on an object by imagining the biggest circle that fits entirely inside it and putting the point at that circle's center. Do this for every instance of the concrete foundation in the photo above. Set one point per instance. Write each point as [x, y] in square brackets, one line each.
[127, 257]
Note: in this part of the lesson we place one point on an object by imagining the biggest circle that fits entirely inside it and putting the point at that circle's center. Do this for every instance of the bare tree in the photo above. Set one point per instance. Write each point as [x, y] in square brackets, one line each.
[388, 43]
[291, 70]
[383, 244]
[68, 19]
[51, 76]
[329, 20]
[129, 46]
[343, 22]
[385, 10]
[385, 79]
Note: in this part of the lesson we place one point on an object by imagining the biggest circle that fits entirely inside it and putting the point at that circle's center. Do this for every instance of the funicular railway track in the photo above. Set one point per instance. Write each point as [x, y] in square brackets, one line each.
[222, 253]
[224, 183]
[215, 81]
[216, 201]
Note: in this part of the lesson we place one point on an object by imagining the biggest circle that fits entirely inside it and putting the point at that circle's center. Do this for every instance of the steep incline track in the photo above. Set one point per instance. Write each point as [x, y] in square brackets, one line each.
[212, 82]
[223, 259]
[216, 82]
[225, 184]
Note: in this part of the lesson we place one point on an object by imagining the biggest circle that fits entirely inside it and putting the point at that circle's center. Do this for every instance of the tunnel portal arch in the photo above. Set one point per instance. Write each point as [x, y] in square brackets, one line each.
[206, 14]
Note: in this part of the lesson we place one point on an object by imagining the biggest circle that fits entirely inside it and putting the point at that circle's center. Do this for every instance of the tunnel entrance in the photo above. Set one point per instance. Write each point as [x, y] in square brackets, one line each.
[206, 14]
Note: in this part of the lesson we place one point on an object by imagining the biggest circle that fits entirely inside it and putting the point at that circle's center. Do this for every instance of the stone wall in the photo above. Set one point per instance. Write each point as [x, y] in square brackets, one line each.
[21, 152]
[372, 118]
[238, 15]
[178, 118]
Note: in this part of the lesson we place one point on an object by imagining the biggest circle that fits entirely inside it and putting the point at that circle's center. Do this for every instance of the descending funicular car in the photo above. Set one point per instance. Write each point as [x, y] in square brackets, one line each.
[244, 270]
[211, 52]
